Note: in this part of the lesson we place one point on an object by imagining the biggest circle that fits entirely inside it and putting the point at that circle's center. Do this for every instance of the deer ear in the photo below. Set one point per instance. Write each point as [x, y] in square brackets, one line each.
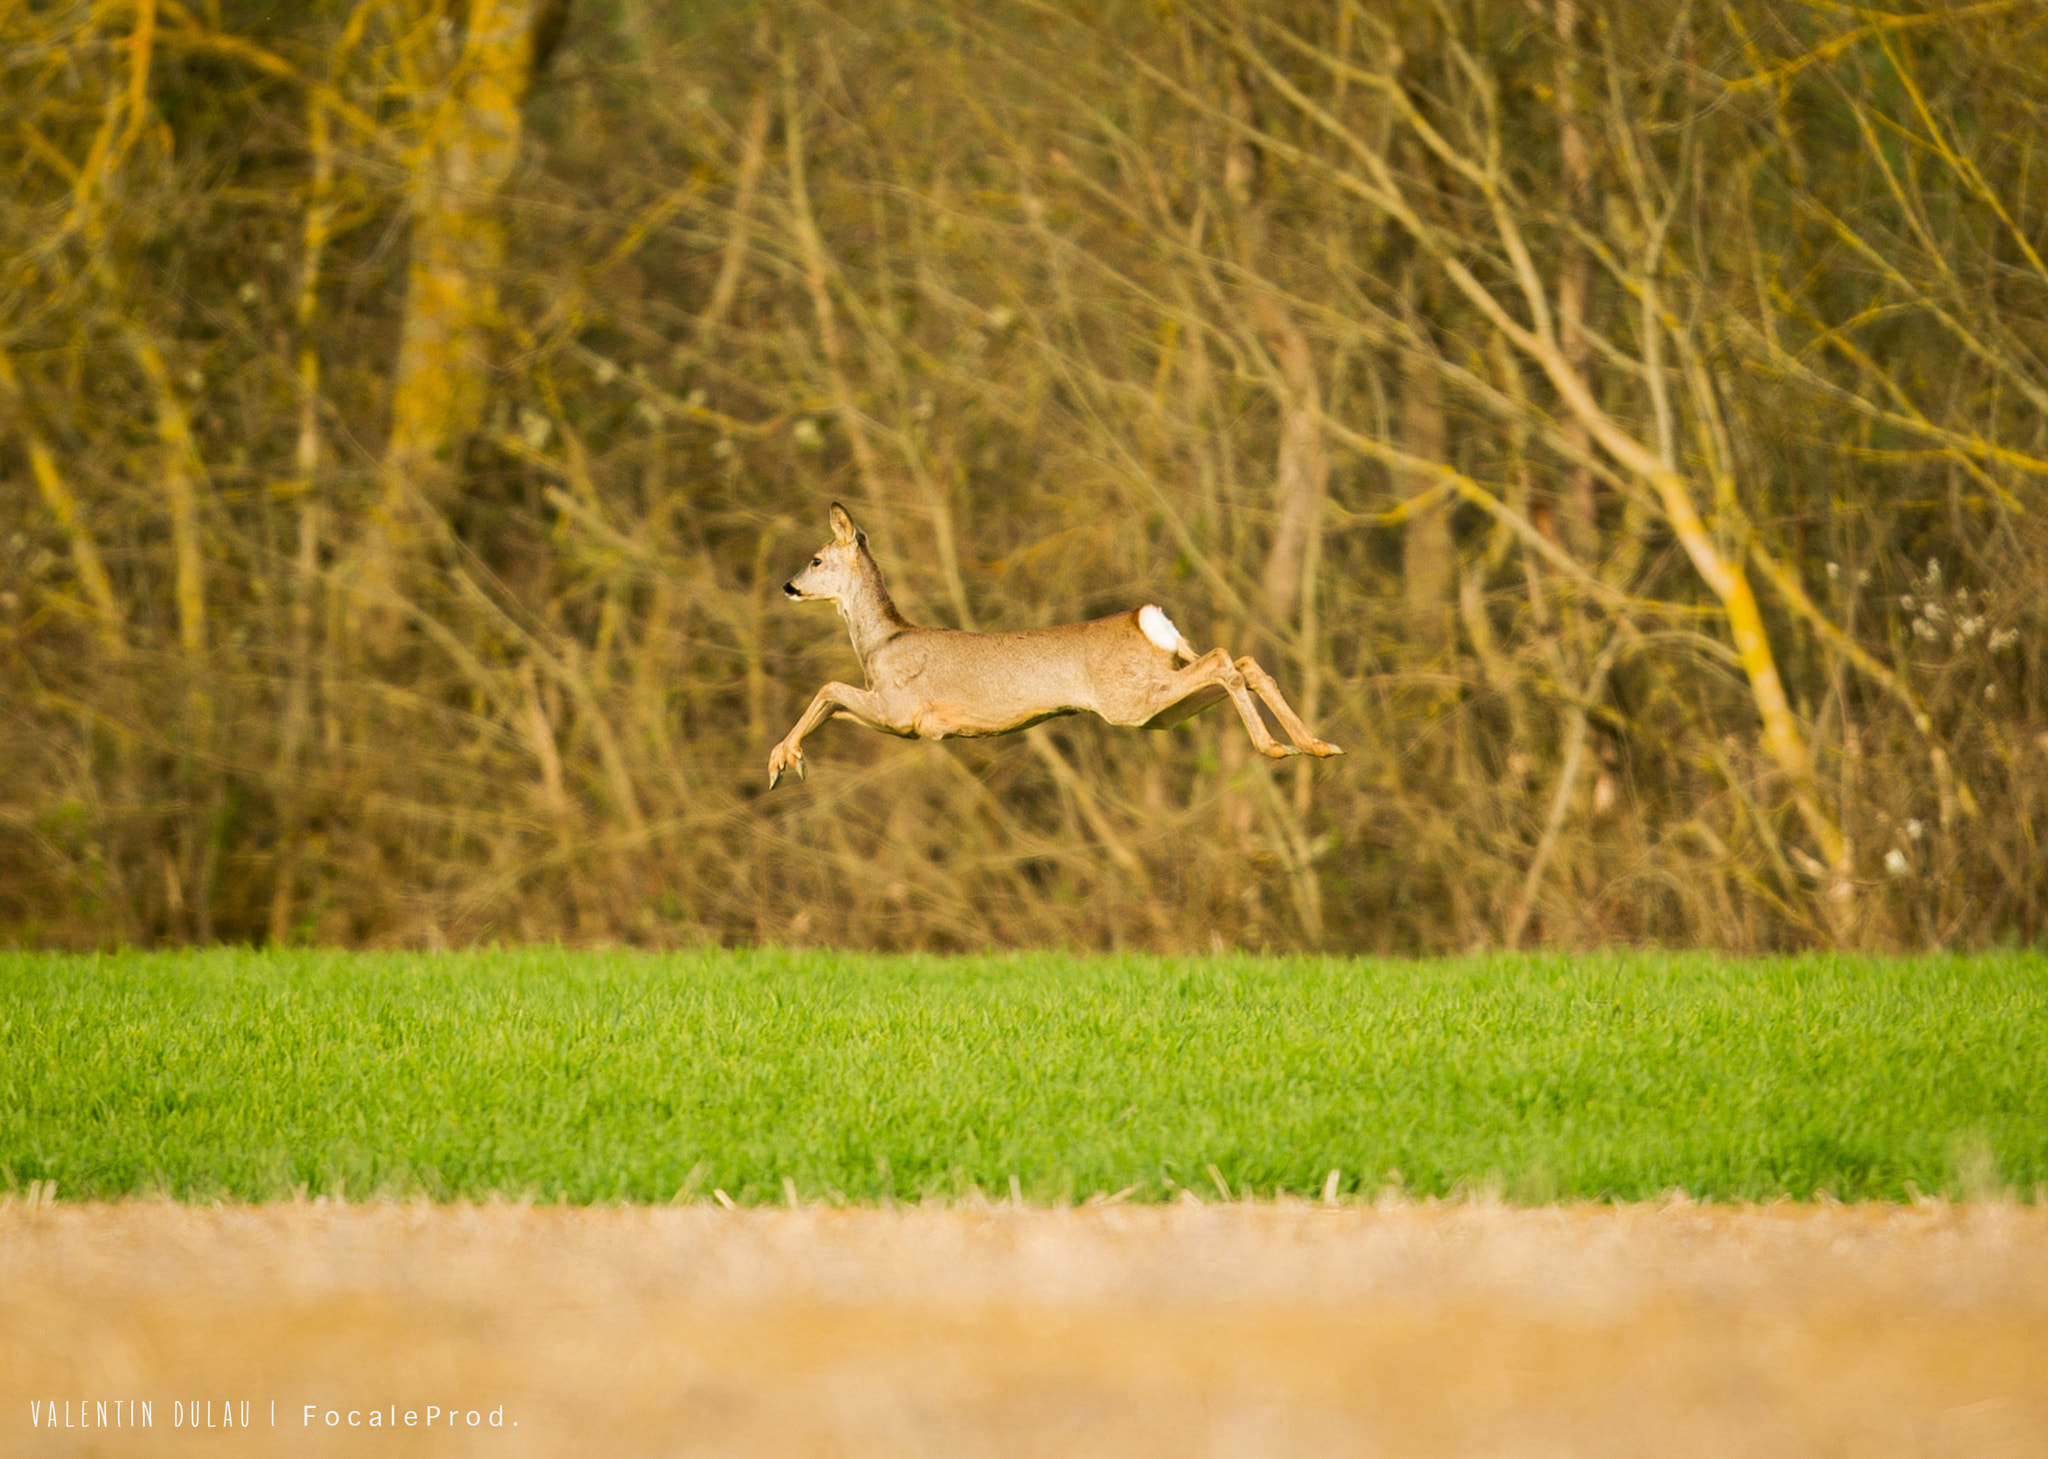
[843, 529]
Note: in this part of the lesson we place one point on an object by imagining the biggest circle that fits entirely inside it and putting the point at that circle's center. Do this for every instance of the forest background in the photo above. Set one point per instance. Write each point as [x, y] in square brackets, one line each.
[1623, 428]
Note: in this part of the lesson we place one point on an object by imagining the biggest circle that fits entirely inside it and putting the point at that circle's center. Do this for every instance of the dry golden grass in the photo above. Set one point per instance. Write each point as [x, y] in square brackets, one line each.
[1223, 1330]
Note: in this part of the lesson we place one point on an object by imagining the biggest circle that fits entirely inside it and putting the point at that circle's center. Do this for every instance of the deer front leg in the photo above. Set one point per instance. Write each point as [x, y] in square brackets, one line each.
[858, 704]
[1261, 683]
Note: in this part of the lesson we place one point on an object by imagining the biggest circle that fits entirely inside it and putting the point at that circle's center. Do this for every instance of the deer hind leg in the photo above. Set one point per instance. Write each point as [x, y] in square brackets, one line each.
[833, 699]
[1261, 683]
[1195, 688]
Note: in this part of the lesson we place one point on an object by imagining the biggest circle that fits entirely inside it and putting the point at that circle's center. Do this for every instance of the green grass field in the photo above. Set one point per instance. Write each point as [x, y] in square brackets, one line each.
[607, 1076]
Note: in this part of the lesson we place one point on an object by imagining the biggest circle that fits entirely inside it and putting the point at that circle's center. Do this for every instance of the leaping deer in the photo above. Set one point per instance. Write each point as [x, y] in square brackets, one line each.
[926, 683]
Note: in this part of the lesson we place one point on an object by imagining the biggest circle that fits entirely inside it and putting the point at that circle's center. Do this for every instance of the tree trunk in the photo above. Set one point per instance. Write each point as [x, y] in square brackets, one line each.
[1301, 474]
[470, 140]
[1579, 503]
[1429, 556]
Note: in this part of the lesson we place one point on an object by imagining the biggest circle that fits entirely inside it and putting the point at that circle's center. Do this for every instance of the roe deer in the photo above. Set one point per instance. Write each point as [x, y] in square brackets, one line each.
[1132, 669]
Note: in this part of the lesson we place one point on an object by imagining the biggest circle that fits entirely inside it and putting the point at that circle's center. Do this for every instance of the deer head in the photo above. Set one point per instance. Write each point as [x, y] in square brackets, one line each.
[839, 570]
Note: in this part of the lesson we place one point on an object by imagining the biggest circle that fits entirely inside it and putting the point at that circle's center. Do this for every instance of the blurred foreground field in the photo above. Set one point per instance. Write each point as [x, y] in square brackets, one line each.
[1224, 1330]
[546, 1073]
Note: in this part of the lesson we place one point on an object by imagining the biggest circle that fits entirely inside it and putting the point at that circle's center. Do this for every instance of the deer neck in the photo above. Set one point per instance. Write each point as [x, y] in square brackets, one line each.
[871, 616]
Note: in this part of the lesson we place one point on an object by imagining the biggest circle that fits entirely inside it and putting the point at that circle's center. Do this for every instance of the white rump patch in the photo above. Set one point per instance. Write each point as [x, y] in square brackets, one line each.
[1159, 628]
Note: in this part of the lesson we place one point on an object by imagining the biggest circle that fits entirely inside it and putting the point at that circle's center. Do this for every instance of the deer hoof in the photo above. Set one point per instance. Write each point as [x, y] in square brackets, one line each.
[783, 759]
[1277, 751]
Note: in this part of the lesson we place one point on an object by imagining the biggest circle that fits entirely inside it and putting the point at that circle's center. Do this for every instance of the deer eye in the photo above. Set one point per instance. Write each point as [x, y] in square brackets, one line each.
[817, 562]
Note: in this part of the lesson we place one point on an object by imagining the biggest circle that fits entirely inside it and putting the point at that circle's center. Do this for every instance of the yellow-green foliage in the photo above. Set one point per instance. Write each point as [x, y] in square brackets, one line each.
[1622, 428]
